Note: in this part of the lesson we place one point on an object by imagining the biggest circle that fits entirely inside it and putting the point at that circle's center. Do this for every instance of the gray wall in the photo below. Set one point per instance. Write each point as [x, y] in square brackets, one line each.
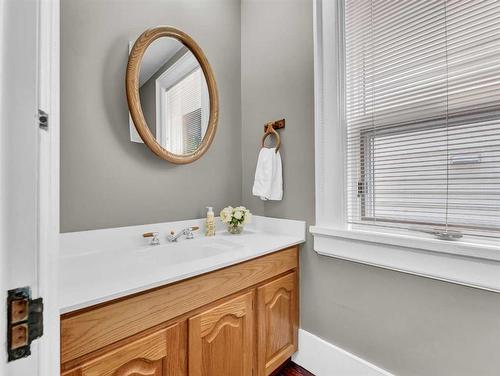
[108, 181]
[406, 324]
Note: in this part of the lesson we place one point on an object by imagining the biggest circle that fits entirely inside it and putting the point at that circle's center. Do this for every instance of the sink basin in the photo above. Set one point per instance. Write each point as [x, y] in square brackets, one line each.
[186, 251]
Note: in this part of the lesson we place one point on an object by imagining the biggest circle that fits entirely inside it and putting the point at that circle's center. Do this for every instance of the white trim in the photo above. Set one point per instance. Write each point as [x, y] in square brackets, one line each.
[403, 257]
[48, 258]
[324, 359]
[3, 201]
[468, 246]
[329, 130]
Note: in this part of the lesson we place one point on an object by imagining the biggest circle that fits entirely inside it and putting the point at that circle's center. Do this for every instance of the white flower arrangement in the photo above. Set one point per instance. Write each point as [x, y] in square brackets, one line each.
[236, 217]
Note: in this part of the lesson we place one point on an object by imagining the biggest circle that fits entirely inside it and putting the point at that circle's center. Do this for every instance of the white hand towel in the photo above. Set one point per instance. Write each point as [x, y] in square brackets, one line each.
[268, 183]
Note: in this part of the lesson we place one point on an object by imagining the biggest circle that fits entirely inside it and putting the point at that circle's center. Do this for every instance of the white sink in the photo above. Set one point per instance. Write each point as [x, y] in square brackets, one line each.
[186, 251]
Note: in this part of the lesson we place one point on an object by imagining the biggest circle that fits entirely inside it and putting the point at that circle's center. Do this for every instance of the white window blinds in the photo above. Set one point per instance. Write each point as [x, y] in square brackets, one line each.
[422, 110]
[183, 109]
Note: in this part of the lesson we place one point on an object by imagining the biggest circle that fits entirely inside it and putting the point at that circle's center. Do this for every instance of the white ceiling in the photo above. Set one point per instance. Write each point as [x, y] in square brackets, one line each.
[157, 54]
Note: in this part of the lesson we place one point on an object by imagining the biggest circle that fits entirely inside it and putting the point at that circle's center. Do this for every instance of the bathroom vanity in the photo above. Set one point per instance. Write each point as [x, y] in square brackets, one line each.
[226, 305]
[215, 306]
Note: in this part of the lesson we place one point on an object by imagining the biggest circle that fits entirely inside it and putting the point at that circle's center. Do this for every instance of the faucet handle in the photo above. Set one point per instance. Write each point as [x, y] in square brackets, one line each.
[189, 232]
[154, 235]
[172, 237]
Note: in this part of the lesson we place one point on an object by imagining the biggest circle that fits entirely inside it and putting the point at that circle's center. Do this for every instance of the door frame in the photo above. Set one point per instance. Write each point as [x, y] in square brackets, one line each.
[45, 361]
[48, 257]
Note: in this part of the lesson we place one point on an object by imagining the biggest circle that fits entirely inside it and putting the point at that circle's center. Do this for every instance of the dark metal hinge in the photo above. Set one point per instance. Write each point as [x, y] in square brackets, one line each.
[24, 322]
[361, 189]
[43, 119]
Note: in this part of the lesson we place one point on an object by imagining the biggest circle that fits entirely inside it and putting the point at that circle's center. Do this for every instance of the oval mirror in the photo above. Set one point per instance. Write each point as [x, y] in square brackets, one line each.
[172, 95]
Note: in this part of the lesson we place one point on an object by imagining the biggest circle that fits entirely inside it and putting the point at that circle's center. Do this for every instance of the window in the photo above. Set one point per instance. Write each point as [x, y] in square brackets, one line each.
[422, 115]
[407, 136]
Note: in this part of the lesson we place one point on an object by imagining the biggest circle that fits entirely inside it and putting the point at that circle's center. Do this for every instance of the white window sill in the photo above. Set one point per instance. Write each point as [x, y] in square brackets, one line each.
[464, 247]
[463, 262]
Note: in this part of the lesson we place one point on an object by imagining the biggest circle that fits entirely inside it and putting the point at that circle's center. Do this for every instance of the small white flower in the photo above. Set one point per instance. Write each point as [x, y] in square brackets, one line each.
[238, 214]
[248, 217]
[225, 214]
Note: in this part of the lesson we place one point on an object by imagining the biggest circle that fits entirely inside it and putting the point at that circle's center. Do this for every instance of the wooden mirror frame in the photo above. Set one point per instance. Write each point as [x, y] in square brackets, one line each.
[134, 101]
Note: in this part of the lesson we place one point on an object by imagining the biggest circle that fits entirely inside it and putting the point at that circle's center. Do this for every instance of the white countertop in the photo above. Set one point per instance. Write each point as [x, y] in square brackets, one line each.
[101, 265]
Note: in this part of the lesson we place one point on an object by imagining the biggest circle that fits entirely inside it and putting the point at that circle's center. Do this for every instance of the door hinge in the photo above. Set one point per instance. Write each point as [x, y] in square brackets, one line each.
[43, 119]
[361, 188]
[24, 322]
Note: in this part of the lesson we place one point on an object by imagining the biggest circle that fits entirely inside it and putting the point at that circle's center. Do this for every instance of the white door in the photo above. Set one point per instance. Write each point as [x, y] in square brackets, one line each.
[28, 225]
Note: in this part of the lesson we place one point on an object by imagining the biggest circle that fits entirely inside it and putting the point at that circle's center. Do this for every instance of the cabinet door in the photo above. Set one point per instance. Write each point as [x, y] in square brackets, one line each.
[221, 339]
[159, 354]
[277, 322]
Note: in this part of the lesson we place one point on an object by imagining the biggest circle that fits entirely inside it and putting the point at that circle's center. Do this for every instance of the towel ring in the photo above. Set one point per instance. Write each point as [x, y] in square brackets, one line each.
[271, 131]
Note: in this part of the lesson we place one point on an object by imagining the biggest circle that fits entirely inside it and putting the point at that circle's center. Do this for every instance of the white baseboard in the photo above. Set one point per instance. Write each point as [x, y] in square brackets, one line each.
[324, 359]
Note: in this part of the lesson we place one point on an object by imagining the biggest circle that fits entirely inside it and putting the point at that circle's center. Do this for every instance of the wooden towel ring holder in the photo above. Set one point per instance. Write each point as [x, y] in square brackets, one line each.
[270, 129]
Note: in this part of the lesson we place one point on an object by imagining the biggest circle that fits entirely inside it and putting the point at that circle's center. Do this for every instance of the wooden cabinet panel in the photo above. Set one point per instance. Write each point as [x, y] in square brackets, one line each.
[221, 339]
[277, 308]
[158, 354]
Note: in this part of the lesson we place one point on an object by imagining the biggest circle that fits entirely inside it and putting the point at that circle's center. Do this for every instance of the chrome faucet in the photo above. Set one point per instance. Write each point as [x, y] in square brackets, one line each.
[188, 232]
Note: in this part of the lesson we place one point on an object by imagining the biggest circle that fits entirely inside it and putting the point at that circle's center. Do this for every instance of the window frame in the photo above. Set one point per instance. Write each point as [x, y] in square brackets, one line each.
[471, 261]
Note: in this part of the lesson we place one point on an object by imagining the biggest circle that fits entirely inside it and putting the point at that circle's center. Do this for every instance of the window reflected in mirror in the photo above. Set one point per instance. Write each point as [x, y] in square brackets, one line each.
[174, 96]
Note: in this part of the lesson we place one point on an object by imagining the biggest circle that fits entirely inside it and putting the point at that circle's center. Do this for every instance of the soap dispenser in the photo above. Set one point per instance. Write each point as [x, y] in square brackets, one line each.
[210, 222]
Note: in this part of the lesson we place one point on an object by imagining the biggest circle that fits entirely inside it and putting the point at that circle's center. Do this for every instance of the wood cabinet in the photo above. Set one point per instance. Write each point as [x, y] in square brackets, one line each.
[221, 339]
[156, 354]
[241, 320]
[277, 322]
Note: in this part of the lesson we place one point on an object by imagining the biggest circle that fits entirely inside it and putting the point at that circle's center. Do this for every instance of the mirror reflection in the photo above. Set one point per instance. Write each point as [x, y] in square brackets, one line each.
[174, 96]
